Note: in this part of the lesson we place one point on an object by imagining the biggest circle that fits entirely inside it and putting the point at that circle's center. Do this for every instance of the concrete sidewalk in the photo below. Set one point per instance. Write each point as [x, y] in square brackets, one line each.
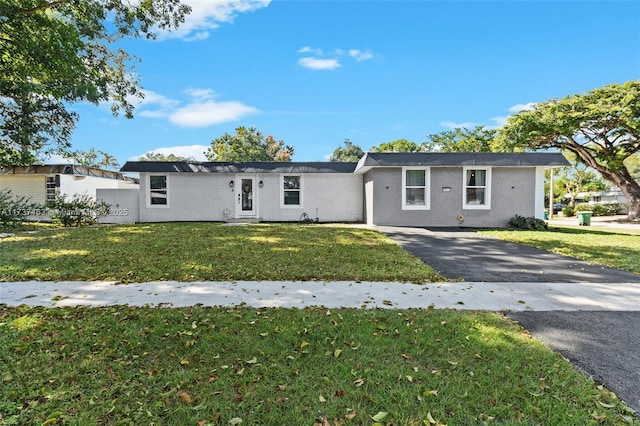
[456, 295]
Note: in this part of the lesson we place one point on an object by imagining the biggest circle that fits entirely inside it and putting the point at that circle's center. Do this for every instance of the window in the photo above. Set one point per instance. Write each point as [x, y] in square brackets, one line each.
[52, 185]
[158, 191]
[415, 189]
[291, 191]
[477, 194]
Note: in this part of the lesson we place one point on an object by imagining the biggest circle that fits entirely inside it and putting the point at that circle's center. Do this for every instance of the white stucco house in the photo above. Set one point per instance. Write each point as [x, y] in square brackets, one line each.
[402, 189]
[39, 182]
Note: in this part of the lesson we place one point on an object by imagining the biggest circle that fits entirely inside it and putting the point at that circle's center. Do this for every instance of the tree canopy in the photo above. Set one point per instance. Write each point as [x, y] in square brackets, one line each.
[399, 145]
[601, 127]
[248, 144]
[347, 152]
[95, 158]
[462, 139]
[54, 53]
[156, 156]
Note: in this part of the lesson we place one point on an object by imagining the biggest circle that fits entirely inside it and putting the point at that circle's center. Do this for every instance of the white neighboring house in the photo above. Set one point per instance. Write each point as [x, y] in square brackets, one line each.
[603, 197]
[39, 182]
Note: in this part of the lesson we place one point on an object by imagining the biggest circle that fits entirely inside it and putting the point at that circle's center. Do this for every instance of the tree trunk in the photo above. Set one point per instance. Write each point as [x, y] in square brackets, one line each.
[620, 177]
[631, 190]
[632, 193]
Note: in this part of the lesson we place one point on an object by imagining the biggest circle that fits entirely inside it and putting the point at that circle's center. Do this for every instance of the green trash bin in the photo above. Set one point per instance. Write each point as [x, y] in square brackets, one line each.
[584, 218]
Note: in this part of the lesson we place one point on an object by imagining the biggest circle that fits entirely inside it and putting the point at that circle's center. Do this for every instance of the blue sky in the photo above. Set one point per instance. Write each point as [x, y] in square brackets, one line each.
[314, 73]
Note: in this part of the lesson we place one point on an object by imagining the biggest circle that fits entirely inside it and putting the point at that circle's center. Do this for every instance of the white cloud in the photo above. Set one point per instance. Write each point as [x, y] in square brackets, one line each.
[202, 111]
[203, 114]
[359, 55]
[501, 120]
[498, 121]
[452, 125]
[307, 49]
[195, 151]
[523, 107]
[152, 98]
[207, 15]
[329, 61]
[319, 64]
[201, 94]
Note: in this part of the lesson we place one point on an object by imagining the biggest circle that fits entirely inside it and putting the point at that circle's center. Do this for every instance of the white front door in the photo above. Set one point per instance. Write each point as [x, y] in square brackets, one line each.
[245, 196]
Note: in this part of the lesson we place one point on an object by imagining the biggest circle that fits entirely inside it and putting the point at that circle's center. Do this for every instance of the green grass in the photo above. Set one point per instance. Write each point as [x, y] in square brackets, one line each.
[615, 248]
[209, 251]
[199, 366]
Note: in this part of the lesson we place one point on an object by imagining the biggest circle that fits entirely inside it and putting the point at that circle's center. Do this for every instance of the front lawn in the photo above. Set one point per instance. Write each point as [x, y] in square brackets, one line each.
[614, 248]
[209, 252]
[229, 366]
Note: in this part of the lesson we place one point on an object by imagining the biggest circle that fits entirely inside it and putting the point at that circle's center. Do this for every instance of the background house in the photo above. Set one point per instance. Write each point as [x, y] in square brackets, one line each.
[401, 189]
[41, 181]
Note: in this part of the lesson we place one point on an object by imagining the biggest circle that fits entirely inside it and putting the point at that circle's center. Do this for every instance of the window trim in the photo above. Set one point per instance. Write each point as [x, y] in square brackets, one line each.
[157, 206]
[282, 191]
[487, 189]
[427, 189]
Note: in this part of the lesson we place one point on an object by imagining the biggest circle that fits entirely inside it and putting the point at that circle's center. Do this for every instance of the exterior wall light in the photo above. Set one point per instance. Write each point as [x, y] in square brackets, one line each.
[230, 184]
[261, 184]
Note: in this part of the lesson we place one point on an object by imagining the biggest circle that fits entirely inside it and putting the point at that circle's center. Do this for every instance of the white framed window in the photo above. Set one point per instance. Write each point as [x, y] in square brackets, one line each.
[52, 186]
[290, 191]
[476, 191]
[415, 188]
[158, 191]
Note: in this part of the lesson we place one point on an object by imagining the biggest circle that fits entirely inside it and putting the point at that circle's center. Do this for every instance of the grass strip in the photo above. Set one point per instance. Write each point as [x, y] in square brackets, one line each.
[209, 252]
[209, 366]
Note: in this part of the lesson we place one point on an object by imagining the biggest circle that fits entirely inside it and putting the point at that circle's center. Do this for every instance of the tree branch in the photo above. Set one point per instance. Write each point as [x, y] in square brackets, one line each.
[41, 7]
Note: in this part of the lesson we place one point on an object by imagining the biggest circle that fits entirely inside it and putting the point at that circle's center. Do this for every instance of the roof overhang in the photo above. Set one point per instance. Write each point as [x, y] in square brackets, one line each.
[239, 167]
[460, 159]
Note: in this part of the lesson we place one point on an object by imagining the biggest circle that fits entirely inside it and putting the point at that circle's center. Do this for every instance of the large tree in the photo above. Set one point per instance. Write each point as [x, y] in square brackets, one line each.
[346, 152]
[156, 156]
[399, 145]
[54, 53]
[248, 144]
[601, 127]
[462, 139]
[95, 158]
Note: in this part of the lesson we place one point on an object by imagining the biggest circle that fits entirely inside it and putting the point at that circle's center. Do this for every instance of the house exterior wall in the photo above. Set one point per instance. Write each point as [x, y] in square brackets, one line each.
[368, 197]
[191, 197]
[79, 184]
[332, 197]
[512, 192]
[539, 193]
[33, 186]
[124, 205]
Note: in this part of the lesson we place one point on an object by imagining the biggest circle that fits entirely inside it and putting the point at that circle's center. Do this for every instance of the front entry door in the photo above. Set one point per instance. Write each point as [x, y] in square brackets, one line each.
[245, 196]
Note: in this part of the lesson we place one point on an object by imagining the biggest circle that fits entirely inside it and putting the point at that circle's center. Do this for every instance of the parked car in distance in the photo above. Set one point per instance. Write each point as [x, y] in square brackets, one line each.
[557, 207]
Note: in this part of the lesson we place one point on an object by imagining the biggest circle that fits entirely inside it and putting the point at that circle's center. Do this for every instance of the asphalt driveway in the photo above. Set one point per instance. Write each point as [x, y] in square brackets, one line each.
[466, 255]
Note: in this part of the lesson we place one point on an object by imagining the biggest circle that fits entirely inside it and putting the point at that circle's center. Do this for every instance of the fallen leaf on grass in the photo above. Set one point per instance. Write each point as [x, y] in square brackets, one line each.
[380, 416]
[184, 396]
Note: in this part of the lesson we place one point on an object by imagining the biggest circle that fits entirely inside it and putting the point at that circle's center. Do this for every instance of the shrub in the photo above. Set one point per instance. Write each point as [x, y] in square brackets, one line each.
[80, 210]
[610, 209]
[15, 209]
[521, 222]
[567, 211]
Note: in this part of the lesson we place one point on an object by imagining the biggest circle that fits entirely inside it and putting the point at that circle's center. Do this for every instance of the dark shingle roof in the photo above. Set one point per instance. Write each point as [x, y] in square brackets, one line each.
[240, 167]
[460, 159]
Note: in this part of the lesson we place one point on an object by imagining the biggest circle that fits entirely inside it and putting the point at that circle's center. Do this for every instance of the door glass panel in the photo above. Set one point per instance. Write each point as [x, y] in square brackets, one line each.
[247, 194]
